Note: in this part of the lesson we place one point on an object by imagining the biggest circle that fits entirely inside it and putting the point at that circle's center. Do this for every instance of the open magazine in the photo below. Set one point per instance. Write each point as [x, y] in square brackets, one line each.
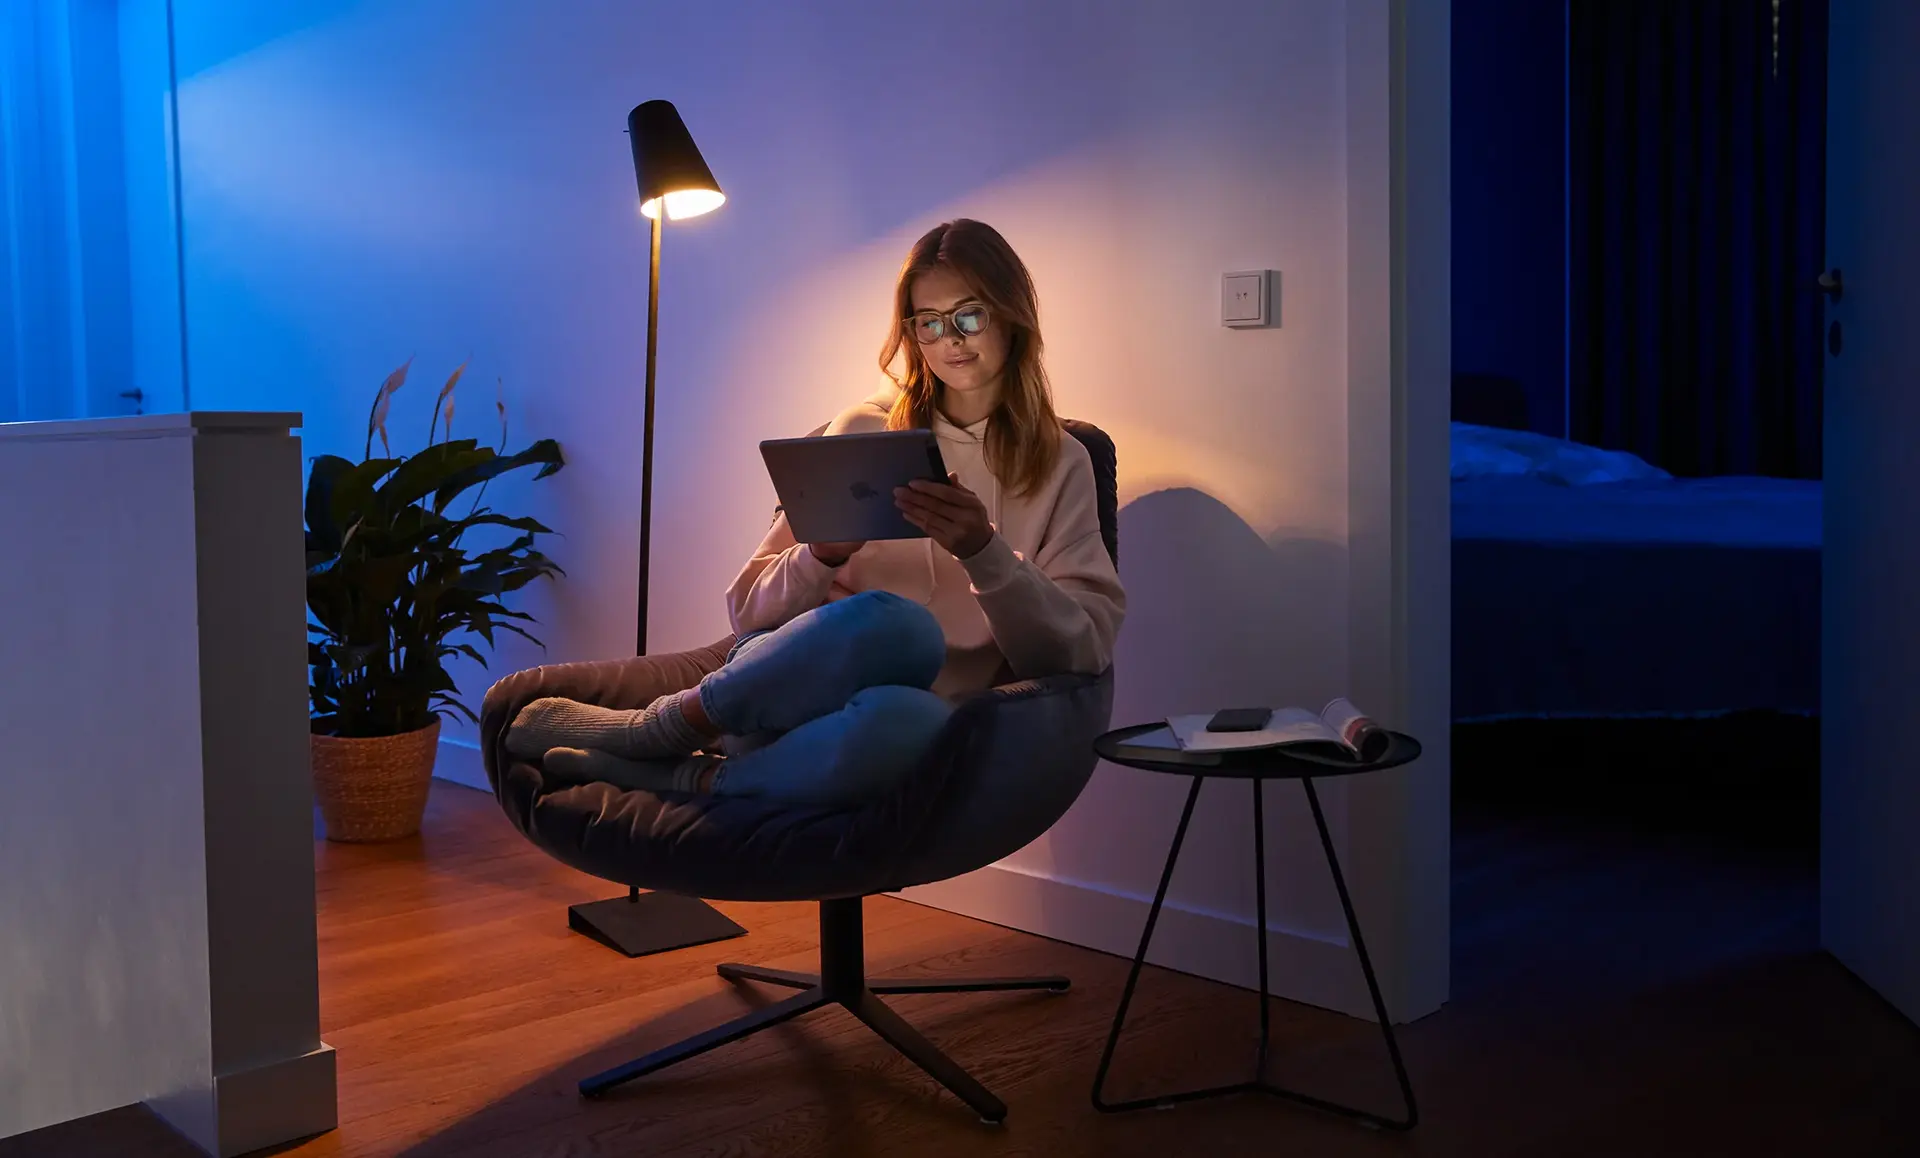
[1339, 729]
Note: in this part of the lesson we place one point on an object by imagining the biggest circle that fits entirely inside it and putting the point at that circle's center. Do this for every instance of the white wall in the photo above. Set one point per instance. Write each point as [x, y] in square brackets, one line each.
[442, 180]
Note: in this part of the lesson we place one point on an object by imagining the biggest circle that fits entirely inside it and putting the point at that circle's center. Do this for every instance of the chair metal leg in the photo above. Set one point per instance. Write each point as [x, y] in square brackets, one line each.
[893, 1028]
[842, 981]
[734, 971]
[898, 985]
[733, 1031]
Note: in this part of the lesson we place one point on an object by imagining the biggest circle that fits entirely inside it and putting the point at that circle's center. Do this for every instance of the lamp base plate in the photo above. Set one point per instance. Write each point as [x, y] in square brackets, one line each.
[651, 923]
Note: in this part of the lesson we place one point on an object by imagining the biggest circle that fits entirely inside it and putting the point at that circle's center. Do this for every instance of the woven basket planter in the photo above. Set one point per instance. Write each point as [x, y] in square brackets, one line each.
[374, 789]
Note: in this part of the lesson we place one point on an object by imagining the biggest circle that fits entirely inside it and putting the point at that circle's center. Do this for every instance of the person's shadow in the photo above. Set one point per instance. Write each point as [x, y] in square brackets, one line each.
[1217, 616]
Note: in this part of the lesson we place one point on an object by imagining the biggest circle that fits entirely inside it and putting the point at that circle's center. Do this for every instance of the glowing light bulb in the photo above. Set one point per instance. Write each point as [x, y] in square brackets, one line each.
[684, 203]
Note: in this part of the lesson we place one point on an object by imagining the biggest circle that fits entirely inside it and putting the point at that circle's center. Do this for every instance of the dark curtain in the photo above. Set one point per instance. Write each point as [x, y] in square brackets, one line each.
[1696, 212]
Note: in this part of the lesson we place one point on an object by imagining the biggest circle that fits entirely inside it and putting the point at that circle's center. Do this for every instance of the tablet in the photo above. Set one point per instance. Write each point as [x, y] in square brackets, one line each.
[839, 488]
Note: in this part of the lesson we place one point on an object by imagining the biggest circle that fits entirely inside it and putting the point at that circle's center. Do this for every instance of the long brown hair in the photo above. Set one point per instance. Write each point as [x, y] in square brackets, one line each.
[1023, 433]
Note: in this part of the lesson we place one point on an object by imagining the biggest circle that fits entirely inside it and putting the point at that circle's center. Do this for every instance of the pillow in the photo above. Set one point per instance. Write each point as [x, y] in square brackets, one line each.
[1485, 451]
[1474, 457]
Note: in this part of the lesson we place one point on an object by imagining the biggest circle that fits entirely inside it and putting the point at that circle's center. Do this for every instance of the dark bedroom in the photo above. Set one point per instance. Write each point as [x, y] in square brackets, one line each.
[1640, 336]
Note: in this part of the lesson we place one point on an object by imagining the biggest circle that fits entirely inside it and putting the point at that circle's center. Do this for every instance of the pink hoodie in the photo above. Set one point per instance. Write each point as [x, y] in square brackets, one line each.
[1042, 598]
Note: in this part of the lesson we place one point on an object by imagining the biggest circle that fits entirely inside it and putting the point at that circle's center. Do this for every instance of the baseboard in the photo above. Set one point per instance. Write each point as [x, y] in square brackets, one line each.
[459, 763]
[1301, 967]
[281, 1102]
[250, 1110]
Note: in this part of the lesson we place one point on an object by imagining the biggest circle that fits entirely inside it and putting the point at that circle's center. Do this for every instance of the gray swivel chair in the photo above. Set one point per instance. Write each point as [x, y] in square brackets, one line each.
[1009, 764]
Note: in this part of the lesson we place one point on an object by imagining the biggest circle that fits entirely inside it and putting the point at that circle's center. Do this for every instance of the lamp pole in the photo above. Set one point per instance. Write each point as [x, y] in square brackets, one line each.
[646, 438]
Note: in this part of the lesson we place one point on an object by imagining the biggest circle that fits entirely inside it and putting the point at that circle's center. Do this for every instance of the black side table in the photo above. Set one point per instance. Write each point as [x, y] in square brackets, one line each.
[1258, 766]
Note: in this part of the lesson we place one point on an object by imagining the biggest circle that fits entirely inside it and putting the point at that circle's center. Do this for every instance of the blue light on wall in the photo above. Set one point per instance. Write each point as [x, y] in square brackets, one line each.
[79, 323]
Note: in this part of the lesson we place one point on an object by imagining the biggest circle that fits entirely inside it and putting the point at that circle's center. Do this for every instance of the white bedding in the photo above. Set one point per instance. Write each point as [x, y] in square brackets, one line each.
[1490, 452]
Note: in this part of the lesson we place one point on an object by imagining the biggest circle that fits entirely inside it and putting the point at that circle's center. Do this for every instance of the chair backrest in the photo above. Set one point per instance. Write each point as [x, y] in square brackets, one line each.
[1012, 761]
[1106, 478]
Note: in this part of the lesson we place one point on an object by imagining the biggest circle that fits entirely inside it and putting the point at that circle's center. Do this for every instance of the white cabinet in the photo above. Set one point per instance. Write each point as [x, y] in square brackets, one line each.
[157, 938]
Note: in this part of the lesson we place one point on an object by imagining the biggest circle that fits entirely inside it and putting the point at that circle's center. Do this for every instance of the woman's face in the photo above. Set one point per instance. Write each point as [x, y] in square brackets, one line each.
[968, 363]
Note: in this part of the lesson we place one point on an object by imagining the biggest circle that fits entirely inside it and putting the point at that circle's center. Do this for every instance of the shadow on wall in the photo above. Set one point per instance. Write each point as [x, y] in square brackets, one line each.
[1217, 616]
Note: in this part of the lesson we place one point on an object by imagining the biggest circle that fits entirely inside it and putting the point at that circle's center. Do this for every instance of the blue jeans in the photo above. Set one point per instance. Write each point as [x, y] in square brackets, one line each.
[833, 707]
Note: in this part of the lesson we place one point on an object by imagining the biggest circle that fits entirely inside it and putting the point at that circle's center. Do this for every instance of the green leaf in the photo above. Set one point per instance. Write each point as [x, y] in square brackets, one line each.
[506, 582]
[323, 533]
[544, 453]
[528, 636]
[456, 705]
[466, 649]
[353, 491]
[489, 519]
[431, 469]
[502, 611]
[377, 581]
[352, 657]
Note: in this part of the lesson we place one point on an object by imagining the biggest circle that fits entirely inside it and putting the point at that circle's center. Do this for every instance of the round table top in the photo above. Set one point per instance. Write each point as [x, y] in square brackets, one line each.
[1292, 763]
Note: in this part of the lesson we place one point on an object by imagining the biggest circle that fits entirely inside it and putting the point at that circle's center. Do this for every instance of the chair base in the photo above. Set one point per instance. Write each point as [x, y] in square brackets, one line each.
[642, 923]
[841, 982]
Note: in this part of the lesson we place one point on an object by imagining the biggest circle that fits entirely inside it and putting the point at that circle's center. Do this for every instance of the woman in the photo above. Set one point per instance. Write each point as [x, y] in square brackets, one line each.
[850, 655]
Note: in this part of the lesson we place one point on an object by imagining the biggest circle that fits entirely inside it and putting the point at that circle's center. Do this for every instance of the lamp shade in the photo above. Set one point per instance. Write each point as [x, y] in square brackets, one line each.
[667, 164]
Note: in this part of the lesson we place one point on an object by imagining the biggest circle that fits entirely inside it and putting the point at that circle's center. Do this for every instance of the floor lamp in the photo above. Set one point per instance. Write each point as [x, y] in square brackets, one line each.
[675, 183]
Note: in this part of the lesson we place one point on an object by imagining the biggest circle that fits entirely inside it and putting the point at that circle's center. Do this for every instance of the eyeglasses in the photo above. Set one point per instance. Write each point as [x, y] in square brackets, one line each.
[930, 326]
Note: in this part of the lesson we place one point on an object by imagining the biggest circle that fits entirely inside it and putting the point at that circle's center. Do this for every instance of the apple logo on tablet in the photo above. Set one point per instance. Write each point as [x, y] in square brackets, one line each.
[861, 490]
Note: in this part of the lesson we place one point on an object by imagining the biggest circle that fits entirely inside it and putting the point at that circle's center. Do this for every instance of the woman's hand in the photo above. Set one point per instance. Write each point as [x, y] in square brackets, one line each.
[835, 554]
[950, 514]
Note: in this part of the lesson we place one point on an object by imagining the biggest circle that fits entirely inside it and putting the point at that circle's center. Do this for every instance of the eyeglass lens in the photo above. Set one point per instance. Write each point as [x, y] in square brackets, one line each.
[967, 320]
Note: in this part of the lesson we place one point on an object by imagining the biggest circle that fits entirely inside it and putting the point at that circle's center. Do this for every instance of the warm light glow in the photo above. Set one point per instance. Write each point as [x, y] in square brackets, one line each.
[685, 203]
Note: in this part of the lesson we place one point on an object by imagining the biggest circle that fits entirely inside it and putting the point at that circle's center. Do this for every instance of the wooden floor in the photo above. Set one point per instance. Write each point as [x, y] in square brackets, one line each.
[1615, 993]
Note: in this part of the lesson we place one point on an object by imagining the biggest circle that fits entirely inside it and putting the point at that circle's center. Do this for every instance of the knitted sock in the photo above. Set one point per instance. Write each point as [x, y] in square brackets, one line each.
[682, 775]
[657, 731]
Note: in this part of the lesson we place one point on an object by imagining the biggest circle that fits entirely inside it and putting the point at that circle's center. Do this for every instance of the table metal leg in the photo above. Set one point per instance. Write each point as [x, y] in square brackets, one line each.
[1260, 908]
[1373, 989]
[1258, 1085]
[1133, 978]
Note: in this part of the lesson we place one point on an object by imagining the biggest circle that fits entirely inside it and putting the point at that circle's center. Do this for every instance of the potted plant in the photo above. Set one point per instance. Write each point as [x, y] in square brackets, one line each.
[394, 592]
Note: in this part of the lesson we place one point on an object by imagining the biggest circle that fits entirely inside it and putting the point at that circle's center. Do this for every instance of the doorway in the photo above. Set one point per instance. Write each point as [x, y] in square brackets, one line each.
[1636, 493]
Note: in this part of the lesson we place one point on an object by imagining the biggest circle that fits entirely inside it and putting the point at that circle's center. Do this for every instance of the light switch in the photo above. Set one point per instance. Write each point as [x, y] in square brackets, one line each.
[1246, 298]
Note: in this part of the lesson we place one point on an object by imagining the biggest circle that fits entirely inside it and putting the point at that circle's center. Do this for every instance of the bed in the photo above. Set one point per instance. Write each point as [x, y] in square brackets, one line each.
[1588, 584]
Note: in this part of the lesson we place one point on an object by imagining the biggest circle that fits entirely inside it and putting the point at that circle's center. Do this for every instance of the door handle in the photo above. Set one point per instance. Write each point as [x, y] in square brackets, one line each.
[1835, 287]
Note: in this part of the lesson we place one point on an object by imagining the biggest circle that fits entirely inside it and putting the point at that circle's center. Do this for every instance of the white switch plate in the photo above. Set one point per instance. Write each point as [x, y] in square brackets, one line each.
[1247, 298]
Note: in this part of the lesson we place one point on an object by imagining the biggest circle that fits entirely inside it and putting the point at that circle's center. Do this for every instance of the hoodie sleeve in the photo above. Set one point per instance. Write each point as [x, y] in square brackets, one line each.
[1061, 610]
[782, 580]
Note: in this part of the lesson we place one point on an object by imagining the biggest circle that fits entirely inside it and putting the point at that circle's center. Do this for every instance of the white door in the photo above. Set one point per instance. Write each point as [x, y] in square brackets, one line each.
[1870, 766]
